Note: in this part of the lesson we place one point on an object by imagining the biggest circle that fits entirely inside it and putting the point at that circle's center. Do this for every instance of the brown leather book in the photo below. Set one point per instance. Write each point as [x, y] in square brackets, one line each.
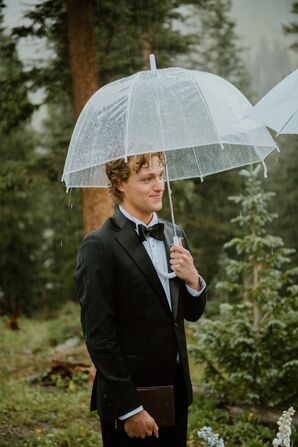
[158, 401]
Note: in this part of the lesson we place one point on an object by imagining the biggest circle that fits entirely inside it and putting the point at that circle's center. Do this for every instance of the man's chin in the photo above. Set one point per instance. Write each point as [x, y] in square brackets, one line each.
[154, 207]
[158, 207]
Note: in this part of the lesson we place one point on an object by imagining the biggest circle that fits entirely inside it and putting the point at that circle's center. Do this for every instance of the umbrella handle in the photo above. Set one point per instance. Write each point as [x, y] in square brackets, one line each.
[176, 241]
[165, 274]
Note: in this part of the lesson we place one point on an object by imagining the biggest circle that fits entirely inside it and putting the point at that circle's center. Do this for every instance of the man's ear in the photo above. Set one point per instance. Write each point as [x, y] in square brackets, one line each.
[119, 186]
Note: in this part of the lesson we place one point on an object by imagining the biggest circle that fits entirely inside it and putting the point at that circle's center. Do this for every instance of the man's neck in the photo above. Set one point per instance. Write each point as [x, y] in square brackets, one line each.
[143, 217]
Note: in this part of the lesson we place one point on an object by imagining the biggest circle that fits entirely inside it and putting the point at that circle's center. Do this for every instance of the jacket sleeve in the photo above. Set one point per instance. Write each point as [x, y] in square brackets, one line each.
[193, 306]
[95, 277]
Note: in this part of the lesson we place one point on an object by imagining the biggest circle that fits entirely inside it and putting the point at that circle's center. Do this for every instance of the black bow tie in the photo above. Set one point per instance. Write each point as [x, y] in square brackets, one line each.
[155, 231]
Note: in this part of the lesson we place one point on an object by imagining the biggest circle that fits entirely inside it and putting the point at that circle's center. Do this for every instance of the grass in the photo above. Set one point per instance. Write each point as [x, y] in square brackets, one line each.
[36, 415]
[33, 415]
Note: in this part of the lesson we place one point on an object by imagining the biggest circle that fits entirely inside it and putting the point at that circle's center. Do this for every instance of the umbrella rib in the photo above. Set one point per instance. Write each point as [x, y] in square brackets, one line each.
[128, 110]
[200, 92]
[184, 120]
[166, 164]
[285, 124]
[197, 162]
[159, 109]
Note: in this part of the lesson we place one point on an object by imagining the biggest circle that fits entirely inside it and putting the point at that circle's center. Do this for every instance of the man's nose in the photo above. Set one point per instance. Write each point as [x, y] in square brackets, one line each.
[159, 184]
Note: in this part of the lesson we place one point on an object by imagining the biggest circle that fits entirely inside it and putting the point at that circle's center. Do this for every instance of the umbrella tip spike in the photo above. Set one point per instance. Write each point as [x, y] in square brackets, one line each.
[221, 146]
[152, 62]
[202, 179]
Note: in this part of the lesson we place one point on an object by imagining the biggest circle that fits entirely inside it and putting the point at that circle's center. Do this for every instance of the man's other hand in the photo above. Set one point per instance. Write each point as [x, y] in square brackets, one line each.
[141, 425]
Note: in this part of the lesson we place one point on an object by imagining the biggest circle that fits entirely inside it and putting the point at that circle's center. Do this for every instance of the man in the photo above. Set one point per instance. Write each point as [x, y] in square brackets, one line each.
[132, 316]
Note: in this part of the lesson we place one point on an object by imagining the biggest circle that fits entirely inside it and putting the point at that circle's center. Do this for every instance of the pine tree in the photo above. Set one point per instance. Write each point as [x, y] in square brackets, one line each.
[283, 179]
[250, 349]
[219, 51]
[41, 225]
[15, 106]
[19, 229]
[123, 31]
[293, 27]
[61, 213]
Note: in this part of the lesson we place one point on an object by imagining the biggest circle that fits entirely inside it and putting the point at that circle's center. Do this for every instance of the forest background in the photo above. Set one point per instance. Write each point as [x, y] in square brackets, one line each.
[43, 90]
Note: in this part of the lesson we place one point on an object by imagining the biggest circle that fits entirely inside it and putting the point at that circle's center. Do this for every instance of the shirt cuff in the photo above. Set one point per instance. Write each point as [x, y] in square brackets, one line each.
[131, 413]
[194, 292]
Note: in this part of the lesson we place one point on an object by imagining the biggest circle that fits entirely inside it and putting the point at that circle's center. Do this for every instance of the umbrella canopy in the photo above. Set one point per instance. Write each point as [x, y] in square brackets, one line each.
[278, 109]
[196, 118]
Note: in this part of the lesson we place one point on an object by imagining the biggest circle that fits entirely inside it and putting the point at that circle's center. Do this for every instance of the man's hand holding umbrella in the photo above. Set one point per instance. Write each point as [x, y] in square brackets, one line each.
[182, 264]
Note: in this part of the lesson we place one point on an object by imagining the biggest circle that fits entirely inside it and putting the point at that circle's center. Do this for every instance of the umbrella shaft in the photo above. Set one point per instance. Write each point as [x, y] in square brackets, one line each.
[170, 198]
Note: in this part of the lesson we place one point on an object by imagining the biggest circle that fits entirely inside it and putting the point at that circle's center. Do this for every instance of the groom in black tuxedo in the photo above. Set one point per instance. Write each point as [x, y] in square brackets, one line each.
[132, 316]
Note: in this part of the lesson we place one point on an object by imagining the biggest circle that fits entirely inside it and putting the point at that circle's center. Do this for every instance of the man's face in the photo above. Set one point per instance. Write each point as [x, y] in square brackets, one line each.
[142, 192]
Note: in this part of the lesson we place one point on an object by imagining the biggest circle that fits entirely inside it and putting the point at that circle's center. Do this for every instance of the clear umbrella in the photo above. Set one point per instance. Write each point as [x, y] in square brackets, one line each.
[195, 118]
[278, 109]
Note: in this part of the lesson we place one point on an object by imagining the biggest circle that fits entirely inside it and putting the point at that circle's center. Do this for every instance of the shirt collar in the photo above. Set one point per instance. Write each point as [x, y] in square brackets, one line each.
[153, 221]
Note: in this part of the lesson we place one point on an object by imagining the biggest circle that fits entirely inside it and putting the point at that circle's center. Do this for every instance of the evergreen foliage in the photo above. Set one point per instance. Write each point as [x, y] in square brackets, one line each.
[251, 349]
[293, 27]
[41, 228]
[218, 50]
[129, 31]
[126, 32]
[283, 179]
[62, 214]
[15, 107]
[47, 23]
[20, 231]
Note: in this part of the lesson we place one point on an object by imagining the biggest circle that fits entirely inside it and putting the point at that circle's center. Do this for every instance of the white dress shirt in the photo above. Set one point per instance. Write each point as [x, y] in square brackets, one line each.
[157, 253]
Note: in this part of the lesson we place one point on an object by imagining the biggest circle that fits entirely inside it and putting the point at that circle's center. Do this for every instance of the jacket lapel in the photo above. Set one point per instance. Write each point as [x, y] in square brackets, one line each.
[129, 240]
[174, 283]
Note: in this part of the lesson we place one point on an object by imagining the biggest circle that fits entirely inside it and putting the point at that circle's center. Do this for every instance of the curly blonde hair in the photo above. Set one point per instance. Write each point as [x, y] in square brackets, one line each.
[119, 170]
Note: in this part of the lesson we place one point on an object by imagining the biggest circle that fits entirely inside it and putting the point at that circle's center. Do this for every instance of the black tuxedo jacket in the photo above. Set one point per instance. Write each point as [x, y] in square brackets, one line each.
[131, 334]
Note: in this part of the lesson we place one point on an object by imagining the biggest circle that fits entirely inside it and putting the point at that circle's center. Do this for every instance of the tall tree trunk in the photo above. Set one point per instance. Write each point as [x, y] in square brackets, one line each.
[96, 202]
[257, 267]
[246, 284]
[255, 304]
